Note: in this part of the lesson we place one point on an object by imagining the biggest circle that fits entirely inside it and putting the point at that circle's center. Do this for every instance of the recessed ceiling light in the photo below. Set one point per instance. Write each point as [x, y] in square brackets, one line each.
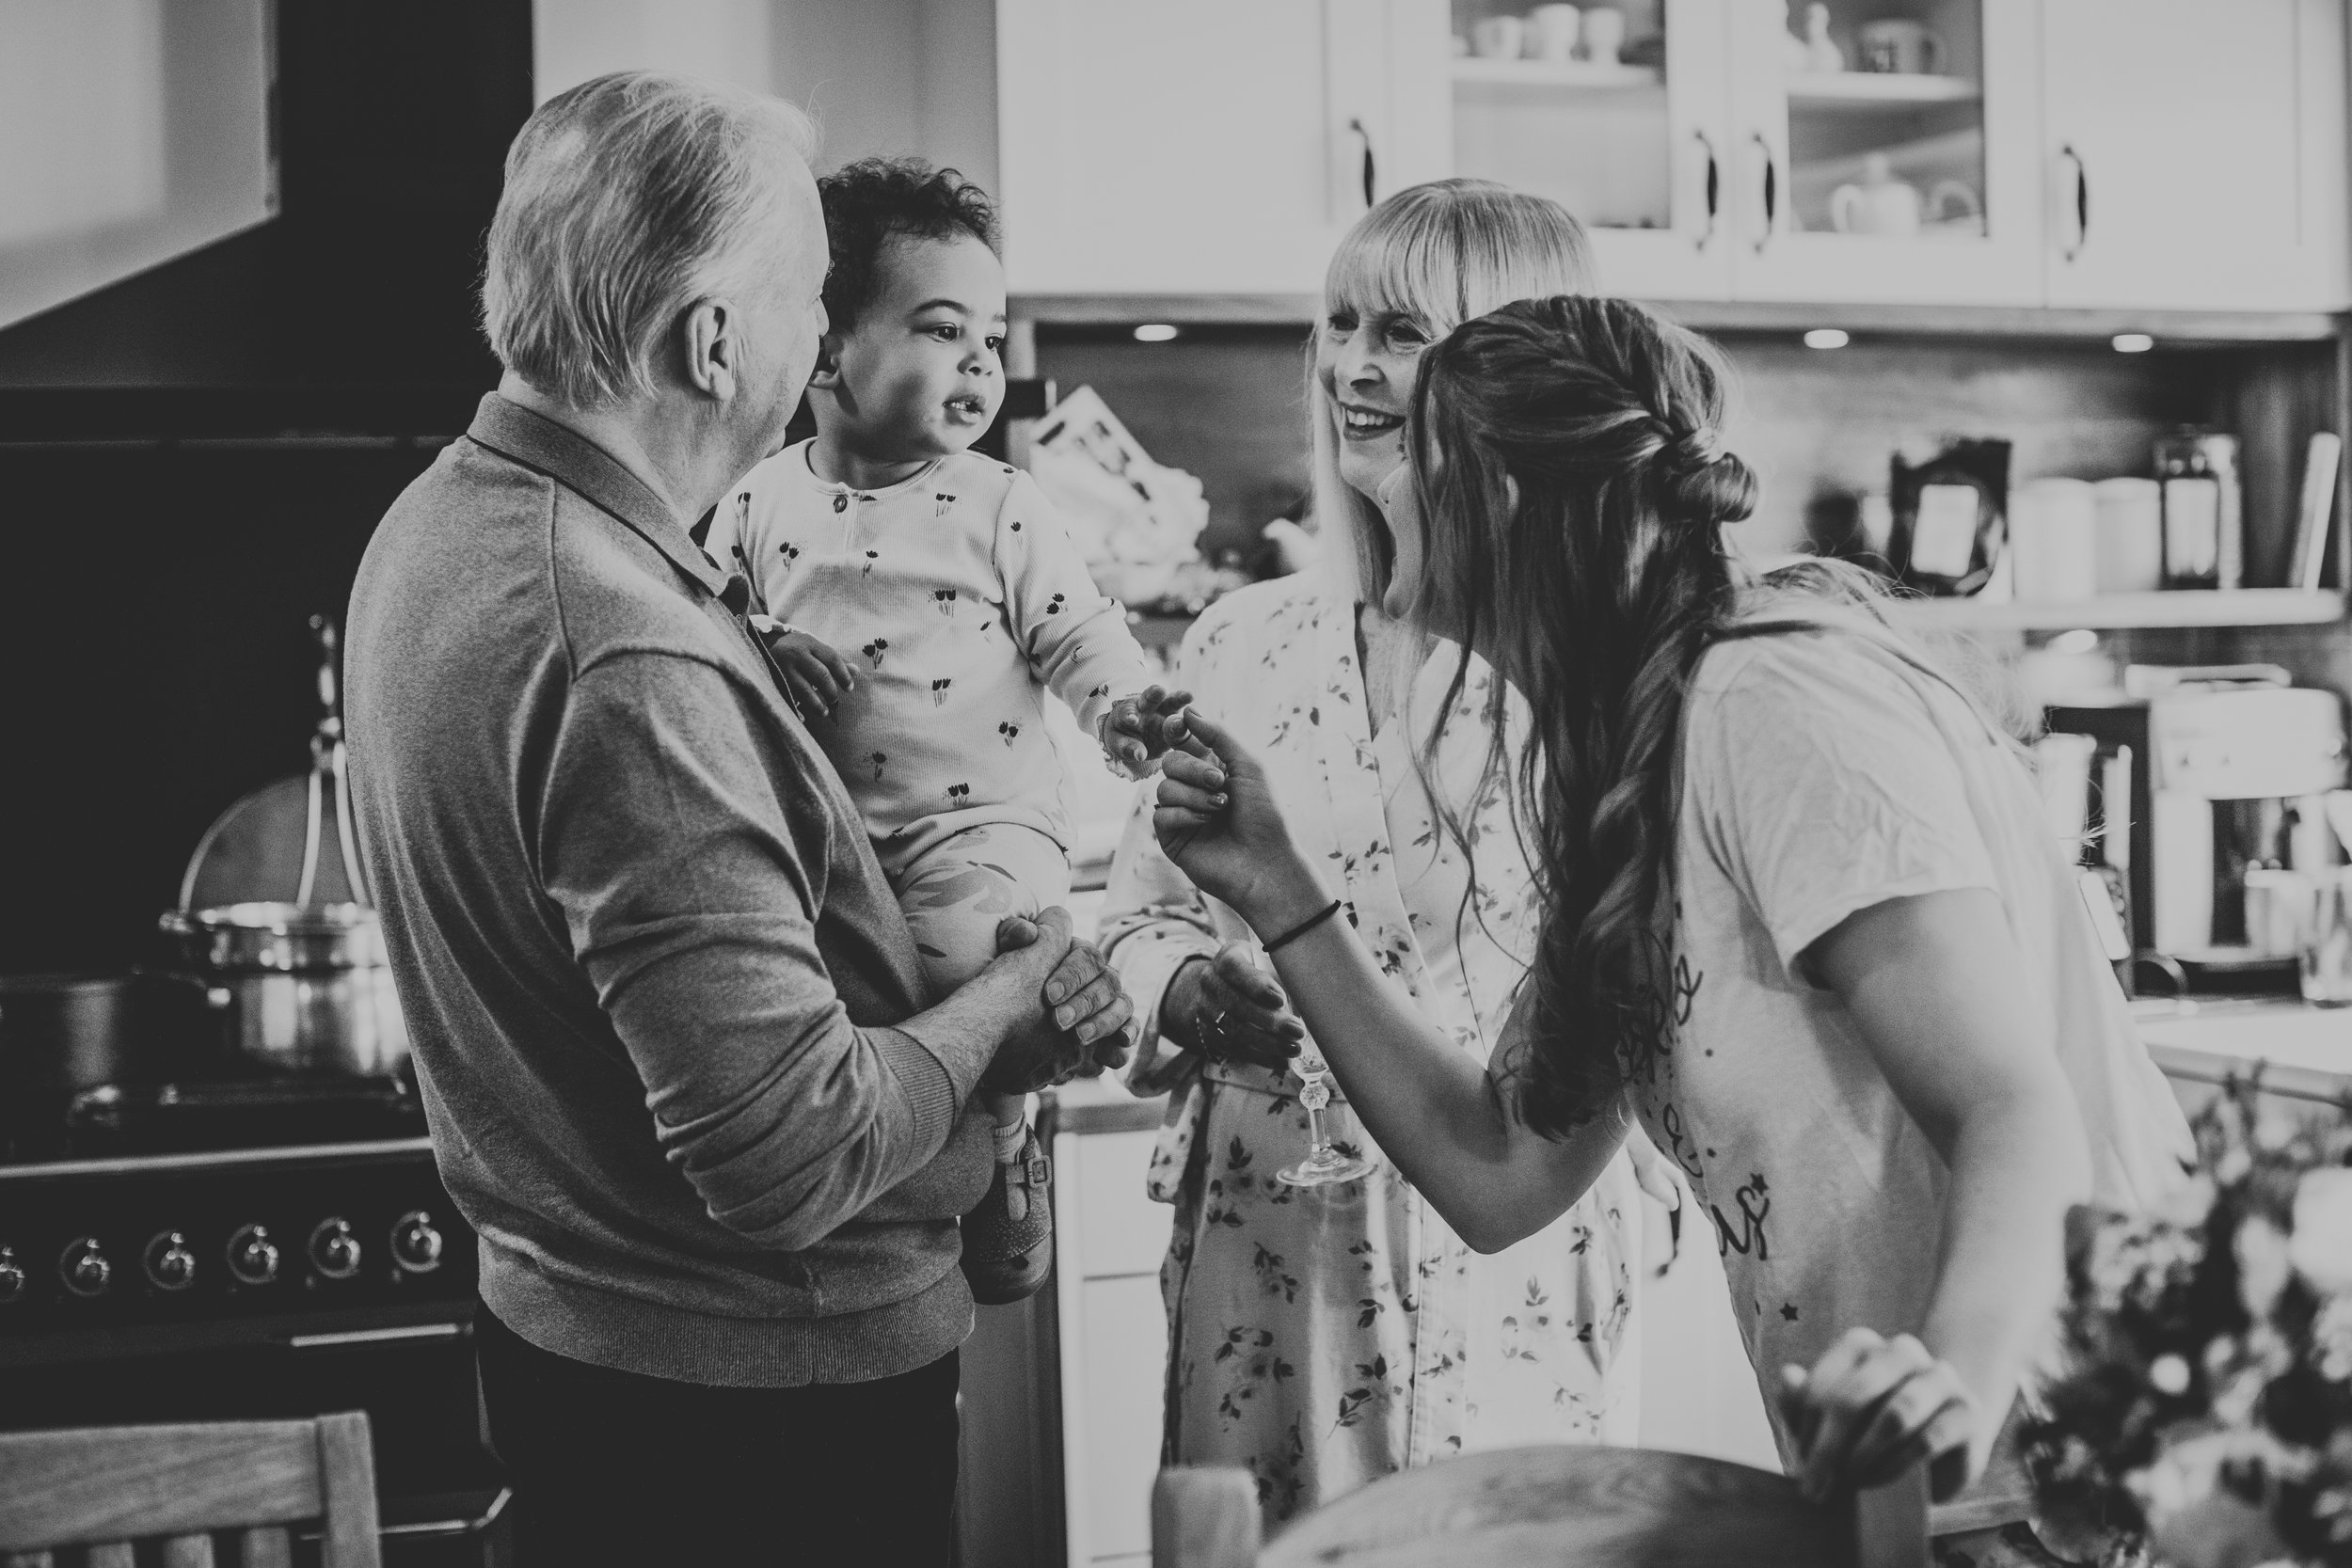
[2133, 342]
[1827, 337]
[2076, 641]
[1154, 332]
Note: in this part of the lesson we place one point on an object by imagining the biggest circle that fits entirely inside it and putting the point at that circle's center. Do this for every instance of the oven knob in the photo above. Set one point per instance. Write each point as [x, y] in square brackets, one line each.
[12, 1280]
[83, 1268]
[169, 1263]
[417, 1242]
[252, 1256]
[334, 1250]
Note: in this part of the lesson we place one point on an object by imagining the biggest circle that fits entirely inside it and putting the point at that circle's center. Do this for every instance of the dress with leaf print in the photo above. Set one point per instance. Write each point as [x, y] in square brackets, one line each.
[1324, 1338]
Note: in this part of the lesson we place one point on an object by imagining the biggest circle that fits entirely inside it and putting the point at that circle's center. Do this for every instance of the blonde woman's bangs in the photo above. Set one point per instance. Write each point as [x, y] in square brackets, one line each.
[1446, 251]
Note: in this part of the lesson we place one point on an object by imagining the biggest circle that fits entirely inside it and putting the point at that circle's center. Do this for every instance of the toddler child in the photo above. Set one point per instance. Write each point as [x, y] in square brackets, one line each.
[923, 598]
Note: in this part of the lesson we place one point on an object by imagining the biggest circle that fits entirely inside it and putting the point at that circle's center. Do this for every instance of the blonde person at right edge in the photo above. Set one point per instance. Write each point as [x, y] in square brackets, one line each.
[1325, 1338]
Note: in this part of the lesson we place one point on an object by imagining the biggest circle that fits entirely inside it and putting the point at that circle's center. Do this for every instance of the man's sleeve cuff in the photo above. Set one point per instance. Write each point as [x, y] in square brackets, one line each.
[935, 1094]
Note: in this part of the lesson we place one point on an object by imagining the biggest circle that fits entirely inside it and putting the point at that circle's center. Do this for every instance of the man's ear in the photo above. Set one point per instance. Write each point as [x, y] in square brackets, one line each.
[710, 340]
[827, 375]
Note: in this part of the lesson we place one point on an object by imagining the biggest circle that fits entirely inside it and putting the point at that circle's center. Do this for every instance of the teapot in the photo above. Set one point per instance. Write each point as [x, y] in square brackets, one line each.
[1878, 204]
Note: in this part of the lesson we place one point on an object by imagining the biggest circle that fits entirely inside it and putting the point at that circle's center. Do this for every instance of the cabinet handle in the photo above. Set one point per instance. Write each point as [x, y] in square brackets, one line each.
[1714, 189]
[1370, 172]
[1771, 189]
[2082, 202]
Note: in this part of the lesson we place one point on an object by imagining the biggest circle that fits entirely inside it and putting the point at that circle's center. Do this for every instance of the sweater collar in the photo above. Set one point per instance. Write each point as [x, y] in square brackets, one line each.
[547, 447]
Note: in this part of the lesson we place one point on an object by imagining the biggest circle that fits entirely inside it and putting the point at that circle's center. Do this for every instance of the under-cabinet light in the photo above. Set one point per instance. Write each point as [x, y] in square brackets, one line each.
[2133, 342]
[1827, 337]
[1154, 332]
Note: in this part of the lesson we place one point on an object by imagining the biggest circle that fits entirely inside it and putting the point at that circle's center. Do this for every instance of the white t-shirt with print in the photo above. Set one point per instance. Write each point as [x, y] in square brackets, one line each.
[1825, 772]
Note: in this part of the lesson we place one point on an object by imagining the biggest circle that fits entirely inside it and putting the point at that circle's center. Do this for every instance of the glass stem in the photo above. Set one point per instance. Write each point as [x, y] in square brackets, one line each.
[1315, 1139]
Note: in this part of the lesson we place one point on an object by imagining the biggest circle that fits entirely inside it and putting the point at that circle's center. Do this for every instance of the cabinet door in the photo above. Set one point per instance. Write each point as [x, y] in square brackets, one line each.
[1636, 148]
[1896, 171]
[1216, 146]
[2195, 153]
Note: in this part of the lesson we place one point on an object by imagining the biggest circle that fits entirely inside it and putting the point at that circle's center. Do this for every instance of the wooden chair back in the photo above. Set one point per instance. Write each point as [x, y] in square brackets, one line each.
[105, 1487]
[1589, 1506]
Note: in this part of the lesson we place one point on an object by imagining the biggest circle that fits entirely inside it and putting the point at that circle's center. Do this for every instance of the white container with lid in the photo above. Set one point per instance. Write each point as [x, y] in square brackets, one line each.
[2130, 535]
[2054, 540]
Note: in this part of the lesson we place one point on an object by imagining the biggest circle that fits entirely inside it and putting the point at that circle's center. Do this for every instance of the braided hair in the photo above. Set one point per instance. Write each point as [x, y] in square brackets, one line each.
[1574, 485]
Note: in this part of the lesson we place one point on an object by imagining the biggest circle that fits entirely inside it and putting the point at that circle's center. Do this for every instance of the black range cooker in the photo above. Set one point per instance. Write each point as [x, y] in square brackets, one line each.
[255, 1250]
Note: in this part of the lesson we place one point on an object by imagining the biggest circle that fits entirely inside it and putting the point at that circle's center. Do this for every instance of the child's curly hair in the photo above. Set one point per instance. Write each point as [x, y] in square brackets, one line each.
[872, 202]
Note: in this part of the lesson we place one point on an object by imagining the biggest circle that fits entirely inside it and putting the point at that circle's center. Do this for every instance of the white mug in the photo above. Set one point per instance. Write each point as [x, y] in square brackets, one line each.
[1555, 31]
[1500, 37]
[1898, 46]
[1604, 34]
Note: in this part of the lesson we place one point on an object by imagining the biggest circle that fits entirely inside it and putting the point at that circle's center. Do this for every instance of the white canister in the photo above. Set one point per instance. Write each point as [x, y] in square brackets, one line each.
[2131, 535]
[1553, 31]
[2054, 540]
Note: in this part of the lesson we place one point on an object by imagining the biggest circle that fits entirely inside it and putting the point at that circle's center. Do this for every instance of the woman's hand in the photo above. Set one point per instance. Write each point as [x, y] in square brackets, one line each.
[1872, 1407]
[1217, 820]
[1227, 1007]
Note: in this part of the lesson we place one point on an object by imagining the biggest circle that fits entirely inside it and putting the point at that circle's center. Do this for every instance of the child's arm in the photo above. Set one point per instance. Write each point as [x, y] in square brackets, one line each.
[1074, 637]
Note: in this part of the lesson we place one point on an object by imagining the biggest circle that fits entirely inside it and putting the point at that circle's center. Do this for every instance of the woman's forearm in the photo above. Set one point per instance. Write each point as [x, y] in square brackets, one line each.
[1436, 1113]
[2016, 1165]
[1976, 1068]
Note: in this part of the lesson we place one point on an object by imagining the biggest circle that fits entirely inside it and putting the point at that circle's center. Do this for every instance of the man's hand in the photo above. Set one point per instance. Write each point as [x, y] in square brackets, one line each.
[1079, 1027]
[815, 676]
[1136, 729]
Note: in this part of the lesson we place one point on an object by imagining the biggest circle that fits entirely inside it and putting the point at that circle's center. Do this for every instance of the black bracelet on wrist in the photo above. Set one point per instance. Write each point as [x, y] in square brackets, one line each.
[1303, 927]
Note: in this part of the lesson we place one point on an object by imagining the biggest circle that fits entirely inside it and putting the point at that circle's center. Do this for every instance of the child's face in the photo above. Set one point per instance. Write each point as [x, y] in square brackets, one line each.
[920, 374]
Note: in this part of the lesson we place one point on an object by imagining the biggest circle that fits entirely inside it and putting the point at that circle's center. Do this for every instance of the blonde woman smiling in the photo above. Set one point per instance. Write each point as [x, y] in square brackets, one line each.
[1327, 1337]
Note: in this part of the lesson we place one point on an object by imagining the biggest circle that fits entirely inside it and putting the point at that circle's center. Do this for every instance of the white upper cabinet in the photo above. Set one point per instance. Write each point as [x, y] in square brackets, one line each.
[2099, 153]
[1211, 147]
[2195, 153]
[1638, 146]
[1899, 163]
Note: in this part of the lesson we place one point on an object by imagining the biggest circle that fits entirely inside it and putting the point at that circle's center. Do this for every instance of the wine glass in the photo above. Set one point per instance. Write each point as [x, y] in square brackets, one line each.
[1324, 1165]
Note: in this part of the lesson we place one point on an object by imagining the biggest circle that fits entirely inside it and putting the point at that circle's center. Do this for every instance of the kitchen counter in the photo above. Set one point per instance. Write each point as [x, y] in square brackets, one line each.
[2301, 1050]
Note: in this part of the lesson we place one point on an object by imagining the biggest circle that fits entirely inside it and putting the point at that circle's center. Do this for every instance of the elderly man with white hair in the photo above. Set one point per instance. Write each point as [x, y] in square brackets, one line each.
[681, 1072]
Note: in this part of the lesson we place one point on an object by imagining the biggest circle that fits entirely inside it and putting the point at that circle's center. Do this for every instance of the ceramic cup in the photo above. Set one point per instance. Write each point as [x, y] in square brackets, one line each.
[1553, 31]
[1604, 34]
[1898, 46]
[1500, 37]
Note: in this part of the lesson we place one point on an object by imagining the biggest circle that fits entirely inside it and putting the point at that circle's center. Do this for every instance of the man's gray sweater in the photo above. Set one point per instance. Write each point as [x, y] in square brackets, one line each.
[649, 964]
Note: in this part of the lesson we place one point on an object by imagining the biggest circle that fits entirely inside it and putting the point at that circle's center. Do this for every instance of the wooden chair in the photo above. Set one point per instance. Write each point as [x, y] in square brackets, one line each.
[105, 1487]
[1572, 1506]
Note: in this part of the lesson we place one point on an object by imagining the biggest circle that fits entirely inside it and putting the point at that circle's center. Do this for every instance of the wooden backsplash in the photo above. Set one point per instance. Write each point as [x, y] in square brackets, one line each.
[1225, 404]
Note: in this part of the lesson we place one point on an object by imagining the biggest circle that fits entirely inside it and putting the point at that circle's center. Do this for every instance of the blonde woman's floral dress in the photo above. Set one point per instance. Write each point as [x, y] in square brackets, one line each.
[1323, 1338]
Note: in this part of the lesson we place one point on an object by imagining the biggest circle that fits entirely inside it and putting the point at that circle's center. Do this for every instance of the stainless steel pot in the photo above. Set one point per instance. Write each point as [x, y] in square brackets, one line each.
[304, 987]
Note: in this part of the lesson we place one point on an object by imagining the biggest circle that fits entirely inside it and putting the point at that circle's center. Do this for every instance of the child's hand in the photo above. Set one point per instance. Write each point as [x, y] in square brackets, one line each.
[1135, 730]
[815, 676]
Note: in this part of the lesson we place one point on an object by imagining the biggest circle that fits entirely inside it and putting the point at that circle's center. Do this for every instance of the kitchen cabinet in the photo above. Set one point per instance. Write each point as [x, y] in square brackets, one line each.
[1641, 152]
[1218, 147]
[2105, 154]
[2196, 154]
[1710, 170]
[1864, 186]
[1108, 1240]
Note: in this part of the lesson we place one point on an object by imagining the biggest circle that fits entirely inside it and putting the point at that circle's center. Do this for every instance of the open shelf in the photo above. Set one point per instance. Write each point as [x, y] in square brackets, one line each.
[1871, 89]
[2241, 606]
[1558, 73]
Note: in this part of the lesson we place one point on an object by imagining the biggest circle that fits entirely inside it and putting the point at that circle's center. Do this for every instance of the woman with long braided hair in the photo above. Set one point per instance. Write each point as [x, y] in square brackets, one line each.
[1800, 916]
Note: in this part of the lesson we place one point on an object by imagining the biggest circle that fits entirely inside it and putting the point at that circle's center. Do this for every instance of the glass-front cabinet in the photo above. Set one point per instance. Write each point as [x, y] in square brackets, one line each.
[1887, 151]
[1621, 114]
[1848, 151]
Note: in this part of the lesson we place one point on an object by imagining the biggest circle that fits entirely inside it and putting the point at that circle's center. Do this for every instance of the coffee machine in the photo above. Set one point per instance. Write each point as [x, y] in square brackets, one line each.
[2195, 796]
